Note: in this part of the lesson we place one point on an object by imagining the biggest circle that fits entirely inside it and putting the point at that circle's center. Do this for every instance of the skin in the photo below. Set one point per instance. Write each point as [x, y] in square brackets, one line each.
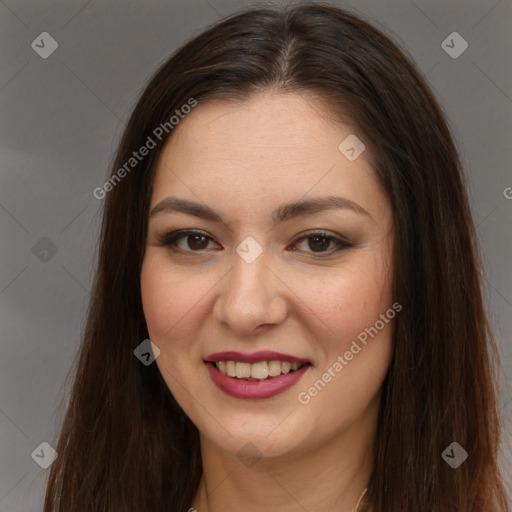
[246, 159]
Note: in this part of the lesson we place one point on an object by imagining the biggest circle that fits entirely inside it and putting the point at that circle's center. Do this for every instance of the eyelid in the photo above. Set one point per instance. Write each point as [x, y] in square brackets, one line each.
[321, 232]
[339, 241]
[168, 239]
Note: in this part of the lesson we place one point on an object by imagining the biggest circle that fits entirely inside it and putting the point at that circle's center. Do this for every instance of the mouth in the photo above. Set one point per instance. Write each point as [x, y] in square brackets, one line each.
[255, 376]
[260, 371]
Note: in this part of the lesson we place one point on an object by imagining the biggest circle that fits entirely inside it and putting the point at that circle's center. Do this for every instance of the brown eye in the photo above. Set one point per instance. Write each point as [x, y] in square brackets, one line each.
[319, 243]
[195, 241]
[323, 244]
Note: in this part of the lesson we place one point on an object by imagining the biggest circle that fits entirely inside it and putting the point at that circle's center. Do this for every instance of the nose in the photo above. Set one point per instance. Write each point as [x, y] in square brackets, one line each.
[251, 296]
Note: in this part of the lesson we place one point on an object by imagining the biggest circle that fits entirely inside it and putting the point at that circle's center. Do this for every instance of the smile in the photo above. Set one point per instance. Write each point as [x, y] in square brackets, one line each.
[255, 376]
[262, 370]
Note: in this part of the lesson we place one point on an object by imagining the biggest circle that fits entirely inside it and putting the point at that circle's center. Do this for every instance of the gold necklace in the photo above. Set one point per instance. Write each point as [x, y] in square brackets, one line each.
[359, 501]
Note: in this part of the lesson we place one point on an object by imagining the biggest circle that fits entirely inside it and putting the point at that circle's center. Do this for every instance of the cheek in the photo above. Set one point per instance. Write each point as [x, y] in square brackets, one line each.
[350, 301]
[165, 300]
[155, 300]
[357, 348]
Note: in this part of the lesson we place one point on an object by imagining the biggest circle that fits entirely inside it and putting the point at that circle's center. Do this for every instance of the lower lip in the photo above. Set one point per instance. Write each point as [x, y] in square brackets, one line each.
[252, 389]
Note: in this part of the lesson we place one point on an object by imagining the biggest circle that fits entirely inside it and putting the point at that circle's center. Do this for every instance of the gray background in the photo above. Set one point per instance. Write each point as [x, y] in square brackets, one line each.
[61, 119]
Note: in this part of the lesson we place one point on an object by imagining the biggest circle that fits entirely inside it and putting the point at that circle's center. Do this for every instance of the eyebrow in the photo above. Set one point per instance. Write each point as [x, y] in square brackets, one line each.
[283, 213]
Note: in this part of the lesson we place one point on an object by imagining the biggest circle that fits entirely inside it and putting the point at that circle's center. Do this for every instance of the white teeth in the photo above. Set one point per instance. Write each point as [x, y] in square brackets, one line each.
[256, 371]
[243, 370]
[259, 370]
[274, 368]
[230, 368]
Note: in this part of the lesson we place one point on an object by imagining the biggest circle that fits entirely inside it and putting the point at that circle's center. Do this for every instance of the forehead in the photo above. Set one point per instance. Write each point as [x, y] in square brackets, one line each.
[261, 148]
[239, 128]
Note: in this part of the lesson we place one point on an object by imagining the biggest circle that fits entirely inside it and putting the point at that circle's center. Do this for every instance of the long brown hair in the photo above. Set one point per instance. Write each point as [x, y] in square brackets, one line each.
[125, 444]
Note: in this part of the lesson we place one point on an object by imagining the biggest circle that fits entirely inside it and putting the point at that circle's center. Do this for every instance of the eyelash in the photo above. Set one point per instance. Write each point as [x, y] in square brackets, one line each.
[169, 239]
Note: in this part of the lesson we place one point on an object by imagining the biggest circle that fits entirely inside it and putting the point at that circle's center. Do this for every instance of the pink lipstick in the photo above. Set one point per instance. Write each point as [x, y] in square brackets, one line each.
[273, 373]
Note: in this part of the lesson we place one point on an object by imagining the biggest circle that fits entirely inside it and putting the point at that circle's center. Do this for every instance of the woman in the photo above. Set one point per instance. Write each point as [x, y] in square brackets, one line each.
[286, 221]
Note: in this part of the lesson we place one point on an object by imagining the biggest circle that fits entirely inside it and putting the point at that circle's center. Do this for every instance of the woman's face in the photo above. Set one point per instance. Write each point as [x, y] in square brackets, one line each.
[263, 273]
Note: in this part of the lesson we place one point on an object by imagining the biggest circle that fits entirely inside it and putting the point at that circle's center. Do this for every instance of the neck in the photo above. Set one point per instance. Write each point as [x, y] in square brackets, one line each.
[326, 476]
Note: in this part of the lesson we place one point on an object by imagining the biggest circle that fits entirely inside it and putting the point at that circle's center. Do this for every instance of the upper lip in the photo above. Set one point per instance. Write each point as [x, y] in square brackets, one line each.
[253, 357]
